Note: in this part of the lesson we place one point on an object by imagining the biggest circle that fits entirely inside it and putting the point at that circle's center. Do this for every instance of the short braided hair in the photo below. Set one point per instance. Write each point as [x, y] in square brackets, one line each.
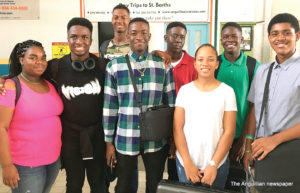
[19, 51]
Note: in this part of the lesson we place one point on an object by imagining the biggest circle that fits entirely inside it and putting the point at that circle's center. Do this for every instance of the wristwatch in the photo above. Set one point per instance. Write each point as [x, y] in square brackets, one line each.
[212, 163]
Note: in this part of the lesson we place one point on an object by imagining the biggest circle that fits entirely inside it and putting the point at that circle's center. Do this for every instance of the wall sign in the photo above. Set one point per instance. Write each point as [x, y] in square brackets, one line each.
[59, 49]
[153, 11]
[19, 9]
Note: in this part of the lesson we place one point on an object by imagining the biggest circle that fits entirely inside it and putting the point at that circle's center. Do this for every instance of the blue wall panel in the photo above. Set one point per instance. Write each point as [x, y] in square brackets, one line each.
[3, 69]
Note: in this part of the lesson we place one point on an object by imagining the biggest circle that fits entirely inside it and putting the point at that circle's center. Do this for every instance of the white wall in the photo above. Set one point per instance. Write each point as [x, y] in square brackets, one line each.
[259, 29]
[157, 36]
[260, 12]
[289, 6]
[55, 14]
[236, 10]
[244, 11]
[264, 14]
[51, 27]
[285, 6]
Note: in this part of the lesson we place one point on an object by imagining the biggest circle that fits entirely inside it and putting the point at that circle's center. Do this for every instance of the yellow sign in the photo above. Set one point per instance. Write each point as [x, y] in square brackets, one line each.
[60, 49]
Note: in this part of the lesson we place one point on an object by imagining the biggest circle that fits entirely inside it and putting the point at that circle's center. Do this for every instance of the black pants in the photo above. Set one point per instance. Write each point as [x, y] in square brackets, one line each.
[154, 166]
[172, 169]
[236, 174]
[76, 167]
[135, 181]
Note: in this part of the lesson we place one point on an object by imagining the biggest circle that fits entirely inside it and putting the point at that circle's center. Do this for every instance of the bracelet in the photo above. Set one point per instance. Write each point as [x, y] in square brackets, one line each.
[247, 151]
[212, 163]
[250, 137]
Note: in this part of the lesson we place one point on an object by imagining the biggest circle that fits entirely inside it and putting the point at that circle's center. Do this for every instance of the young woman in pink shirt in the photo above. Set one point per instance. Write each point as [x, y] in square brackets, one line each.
[30, 130]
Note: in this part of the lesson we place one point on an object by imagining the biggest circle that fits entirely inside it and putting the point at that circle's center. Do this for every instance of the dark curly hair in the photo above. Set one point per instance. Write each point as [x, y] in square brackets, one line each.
[138, 19]
[121, 6]
[80, 21]
[284, 18]
[232, 24]
[175, 24]
[19, 51]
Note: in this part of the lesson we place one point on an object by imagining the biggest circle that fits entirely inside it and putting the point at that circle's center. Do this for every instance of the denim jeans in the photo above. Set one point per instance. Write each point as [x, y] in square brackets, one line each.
[220, 180]
[37, 179]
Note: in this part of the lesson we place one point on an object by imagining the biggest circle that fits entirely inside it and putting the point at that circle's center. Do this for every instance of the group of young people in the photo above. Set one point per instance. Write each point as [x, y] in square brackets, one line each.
[84, 108]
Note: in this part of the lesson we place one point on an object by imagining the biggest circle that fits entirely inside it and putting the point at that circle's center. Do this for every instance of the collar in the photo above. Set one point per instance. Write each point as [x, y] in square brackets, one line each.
[185, 59]
[239, 61]
[289, 62]
[137, 57]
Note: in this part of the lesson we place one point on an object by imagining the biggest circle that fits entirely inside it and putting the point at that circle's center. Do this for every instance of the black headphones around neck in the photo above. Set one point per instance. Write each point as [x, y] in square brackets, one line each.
[88, 64]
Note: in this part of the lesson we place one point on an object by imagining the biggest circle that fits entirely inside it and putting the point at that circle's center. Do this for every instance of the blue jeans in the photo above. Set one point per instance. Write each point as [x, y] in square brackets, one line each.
[37, 179]
[220, 180]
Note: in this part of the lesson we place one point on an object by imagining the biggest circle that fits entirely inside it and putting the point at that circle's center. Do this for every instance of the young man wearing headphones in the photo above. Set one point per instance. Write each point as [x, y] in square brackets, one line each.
[79, 77]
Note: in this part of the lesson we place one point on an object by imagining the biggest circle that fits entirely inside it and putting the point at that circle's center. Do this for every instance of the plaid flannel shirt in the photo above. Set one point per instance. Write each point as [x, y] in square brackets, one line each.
[120, 110]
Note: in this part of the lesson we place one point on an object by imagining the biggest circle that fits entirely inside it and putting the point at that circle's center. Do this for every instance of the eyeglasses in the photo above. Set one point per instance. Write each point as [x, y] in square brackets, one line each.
[175, 36]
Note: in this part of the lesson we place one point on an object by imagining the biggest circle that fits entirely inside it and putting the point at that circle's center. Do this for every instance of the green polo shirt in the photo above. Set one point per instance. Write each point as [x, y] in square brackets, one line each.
[236, 75]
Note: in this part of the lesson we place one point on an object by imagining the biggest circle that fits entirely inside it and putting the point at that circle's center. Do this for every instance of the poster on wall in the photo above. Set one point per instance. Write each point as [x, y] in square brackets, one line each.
[60, 49]
[153, 11]
[246, 45]
[19, 9]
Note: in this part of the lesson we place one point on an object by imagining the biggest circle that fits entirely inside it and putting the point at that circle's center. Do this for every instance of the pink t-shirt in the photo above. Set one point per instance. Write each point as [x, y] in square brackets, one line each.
[35, 129]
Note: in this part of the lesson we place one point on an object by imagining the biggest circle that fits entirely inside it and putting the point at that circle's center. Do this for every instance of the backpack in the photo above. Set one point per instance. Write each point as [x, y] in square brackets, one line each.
[251, 62]
[103, 47]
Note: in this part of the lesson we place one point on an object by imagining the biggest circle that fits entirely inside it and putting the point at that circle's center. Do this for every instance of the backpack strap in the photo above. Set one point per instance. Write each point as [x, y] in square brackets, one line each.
[217, 70]
[103, 47]
[54, 68]
[251, 62]
[52, 71]
[18, 88]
